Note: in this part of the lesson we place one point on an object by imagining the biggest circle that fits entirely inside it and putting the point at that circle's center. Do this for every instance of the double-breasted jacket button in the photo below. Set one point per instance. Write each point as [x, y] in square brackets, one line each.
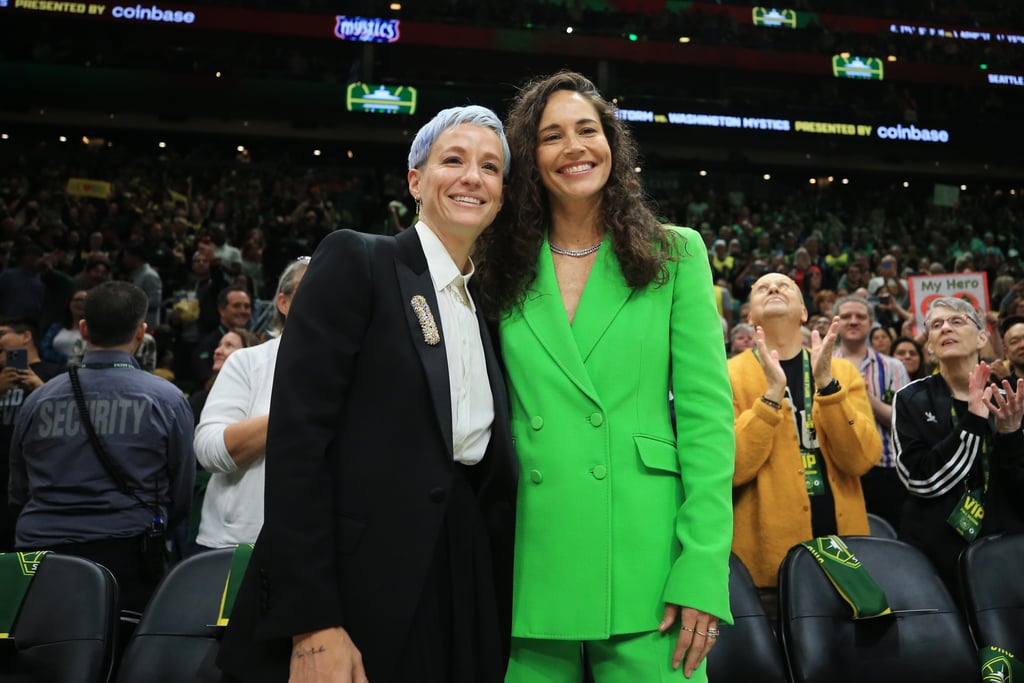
[536, 477]
[599, 472]
[596, 419]
[537, 422]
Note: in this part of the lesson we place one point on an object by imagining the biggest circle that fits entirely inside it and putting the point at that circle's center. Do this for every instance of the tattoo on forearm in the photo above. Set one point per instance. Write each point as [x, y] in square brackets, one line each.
[310, 652]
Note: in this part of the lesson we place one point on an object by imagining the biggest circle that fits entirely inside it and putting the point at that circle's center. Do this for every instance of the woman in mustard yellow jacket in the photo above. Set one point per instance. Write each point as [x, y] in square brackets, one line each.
[623, 527]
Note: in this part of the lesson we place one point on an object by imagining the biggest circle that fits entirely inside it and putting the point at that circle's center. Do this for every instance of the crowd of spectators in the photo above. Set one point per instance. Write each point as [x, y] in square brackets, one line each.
[865, 242]
[206, 237]
[205, 240]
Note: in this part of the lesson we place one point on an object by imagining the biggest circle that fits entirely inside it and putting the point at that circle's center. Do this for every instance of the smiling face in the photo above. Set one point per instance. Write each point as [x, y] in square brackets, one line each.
[229, 343]
[1013, 340]
[775, 296]
[573, 156]
[460, 184]
[906, 353]
[238, 311]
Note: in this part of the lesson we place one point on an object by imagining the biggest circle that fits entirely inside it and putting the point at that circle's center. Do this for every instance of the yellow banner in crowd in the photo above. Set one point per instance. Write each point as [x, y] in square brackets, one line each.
[84, 187]
[178, 198]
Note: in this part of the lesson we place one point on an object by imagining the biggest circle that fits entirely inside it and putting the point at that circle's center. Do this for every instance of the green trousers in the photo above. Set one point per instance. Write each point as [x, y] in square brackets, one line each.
[632, 658]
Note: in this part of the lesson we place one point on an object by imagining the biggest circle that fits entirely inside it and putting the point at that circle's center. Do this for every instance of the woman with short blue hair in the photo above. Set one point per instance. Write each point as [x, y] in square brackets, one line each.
[386, 548]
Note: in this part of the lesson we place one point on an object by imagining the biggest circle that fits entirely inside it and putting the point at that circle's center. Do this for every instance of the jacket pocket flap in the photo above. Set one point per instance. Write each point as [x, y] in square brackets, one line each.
[656, 453]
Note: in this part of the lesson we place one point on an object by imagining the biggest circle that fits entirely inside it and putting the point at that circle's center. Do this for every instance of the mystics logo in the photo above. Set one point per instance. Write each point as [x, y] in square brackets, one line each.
[366, 30]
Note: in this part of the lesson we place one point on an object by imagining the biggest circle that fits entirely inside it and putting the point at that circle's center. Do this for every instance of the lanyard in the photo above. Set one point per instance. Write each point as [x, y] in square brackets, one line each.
[984, 450]
[808, 392]
[105, 366]
[805, 358]
[969, 514]
[810, 457]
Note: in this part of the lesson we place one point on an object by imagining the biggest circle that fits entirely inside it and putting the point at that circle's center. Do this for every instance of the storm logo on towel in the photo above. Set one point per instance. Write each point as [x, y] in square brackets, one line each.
[838, 551]
[110, 416]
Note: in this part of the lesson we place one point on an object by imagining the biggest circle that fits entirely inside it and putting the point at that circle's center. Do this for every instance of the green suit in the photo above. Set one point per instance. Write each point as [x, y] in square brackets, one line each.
[615, 515]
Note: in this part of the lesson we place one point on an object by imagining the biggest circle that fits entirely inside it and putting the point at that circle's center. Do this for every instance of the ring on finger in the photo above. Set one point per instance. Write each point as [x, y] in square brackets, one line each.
[713, 633]
[688, 629]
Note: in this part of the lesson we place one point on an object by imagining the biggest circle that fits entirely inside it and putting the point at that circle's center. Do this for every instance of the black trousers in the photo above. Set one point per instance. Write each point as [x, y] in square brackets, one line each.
[123, 557]
[884, 494]
[456, 632]
[455, 635]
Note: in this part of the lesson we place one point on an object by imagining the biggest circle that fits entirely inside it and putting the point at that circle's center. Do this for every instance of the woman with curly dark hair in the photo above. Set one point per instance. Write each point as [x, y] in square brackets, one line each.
[602, 312]
[641, 245]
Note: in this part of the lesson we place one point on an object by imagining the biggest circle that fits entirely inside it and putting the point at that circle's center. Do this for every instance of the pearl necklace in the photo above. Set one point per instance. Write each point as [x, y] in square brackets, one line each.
[575, 252]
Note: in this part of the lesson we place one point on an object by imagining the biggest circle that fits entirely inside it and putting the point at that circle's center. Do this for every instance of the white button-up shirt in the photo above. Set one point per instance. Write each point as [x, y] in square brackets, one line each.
[472, 402]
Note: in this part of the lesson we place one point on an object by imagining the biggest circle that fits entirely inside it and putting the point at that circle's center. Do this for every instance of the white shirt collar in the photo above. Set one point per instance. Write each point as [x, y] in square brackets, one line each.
[443, 270]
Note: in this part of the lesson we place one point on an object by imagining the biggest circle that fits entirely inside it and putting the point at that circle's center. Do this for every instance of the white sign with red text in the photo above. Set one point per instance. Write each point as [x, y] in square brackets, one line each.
[924, 289]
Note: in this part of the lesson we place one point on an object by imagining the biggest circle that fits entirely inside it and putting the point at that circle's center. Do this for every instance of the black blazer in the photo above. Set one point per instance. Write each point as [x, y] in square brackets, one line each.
[359, 462]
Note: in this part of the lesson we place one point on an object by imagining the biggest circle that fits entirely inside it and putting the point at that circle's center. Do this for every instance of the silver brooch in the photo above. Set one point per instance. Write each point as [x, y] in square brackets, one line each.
[426, 318]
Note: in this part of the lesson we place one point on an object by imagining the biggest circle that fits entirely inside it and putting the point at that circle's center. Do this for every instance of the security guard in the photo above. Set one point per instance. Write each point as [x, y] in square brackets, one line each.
[106, 496]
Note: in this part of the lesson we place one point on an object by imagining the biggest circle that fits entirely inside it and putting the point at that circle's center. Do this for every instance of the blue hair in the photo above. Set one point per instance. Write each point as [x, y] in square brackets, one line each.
[449, 118]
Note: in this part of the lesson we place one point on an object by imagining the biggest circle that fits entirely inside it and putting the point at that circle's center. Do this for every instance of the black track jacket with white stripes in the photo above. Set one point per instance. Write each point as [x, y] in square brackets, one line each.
[938, 449]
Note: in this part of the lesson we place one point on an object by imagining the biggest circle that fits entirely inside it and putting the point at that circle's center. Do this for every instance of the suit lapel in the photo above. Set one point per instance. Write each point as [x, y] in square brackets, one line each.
[545, 315]
[603, 297]
[414, 280]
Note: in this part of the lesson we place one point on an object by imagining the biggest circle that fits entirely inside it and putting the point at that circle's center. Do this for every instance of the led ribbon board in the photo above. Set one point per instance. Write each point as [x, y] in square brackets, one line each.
[381, 99]
[908, 133]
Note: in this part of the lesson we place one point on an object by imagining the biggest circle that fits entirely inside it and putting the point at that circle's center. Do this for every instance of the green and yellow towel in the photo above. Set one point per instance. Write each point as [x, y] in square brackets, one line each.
[239, 561]
[849, 577]
[1000, 666]
[16, 573]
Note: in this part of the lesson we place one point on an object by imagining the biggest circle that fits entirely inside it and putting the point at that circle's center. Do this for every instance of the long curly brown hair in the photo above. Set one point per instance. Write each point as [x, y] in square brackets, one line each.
[506, 254]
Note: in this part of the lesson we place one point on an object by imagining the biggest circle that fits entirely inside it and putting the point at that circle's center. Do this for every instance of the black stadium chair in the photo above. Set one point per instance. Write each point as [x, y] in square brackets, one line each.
[824, 644]
[880, 527]
[990, 574]
[748, 649]
[177, 639]
[65, 629]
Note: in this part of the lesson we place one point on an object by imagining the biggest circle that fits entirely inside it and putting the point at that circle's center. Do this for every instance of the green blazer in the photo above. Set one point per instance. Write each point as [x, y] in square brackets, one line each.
[616, 516]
